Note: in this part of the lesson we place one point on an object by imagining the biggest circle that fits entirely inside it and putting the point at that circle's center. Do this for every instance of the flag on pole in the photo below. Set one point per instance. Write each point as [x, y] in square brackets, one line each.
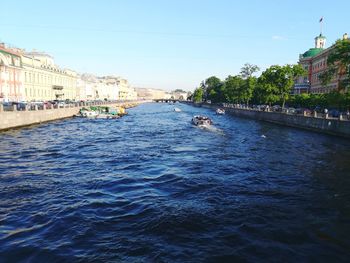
[321, 19]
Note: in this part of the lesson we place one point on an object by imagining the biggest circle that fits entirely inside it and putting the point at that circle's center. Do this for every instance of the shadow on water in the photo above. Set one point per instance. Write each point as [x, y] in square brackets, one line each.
[152, 187]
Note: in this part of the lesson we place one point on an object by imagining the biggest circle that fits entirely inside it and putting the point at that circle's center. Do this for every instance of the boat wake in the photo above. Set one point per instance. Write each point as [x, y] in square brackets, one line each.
[211, 128]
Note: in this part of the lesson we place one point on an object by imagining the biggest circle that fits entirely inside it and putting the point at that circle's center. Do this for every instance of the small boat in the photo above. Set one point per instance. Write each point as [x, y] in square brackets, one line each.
[102, 112]
[89, 114]
[201, 121]
[220, 111]
[107, 116]
[177, 110]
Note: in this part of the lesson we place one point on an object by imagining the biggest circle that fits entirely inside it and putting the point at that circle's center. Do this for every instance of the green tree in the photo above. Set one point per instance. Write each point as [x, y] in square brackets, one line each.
[233, 86]
[213, 89]
[248, 70]
[198, 95]
[335, 99]
[276, 82]
[338, 65]
[248, 88]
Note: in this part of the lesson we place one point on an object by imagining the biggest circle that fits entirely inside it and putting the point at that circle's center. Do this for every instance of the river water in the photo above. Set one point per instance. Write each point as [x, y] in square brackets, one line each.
[151, 187]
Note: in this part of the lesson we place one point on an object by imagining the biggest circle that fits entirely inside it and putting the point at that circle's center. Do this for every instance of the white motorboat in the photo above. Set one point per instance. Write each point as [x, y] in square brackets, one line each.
[220, 111]
[201, 121]
[107, 116]
[89, 114]
[177, 109]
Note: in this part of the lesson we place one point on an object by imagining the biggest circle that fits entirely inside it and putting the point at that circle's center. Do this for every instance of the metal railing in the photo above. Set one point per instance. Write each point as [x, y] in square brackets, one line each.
[15, 107]
[305, 113]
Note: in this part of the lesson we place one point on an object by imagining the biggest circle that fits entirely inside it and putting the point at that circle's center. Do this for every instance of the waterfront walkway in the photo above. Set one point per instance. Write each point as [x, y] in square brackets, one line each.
[316, 122]
[14, 118]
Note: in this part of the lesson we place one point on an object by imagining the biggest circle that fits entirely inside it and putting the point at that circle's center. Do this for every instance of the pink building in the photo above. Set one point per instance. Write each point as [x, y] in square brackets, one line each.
[314, 61]
[11, 82]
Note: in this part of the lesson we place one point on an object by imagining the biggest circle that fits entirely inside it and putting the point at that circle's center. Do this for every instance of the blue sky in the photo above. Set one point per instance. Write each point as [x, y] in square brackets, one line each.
[170, 44]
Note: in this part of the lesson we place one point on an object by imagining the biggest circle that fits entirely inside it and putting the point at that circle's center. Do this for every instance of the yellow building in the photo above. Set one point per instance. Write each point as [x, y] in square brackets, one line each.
[44, 81]
[126, 92]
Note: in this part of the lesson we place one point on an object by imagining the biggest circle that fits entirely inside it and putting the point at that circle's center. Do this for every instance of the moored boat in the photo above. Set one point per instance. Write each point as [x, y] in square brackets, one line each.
[102, 112]
[107, 116]
[88, 113]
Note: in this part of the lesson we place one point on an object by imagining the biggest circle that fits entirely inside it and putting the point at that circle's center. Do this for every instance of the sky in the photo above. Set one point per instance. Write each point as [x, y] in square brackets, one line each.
[170, 44]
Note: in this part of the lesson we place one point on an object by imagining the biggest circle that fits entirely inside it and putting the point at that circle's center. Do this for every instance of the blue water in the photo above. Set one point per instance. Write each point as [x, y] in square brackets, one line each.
[151, 187]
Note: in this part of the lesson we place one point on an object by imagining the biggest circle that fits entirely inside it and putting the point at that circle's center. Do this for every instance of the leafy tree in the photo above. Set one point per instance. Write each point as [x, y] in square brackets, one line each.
[233, 86]
[339, 60]
[213, 88]
[198, 95]
[249, 85]
[335, 99]
[338, 65]
[276, 82]
[248, 88]
[302, 100]
[248, 70]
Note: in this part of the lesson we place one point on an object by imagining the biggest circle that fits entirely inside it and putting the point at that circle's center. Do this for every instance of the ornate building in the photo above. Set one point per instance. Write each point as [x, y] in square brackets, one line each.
[11, 79]
[314, 61]
[43, 80]
[33, 76]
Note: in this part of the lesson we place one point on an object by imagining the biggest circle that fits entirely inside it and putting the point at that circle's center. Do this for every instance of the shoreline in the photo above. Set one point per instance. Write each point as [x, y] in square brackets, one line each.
[19, 119]
[330, 126]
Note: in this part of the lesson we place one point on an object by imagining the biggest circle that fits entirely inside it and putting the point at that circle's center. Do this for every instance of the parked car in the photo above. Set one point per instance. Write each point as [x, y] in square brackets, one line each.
[291, 110]
[302, 110]
[334, 113]
[318, 109]
[8, 106]
[276, 108]
[58, 103]
[38, 104]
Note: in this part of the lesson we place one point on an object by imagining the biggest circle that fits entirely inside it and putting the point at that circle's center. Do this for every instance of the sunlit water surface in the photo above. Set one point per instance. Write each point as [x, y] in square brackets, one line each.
[151, 187]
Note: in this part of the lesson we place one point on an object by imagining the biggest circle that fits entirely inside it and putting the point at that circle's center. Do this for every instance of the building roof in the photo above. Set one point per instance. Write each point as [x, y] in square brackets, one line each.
[3, 49]
[312, 52]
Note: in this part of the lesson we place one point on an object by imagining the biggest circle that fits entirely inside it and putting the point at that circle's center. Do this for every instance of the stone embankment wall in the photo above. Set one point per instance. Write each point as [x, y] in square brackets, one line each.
[15, 119]
[331, 126]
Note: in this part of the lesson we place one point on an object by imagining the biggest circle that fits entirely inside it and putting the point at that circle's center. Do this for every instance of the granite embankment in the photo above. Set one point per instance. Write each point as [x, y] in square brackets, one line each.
[333, 126]
[16, 119]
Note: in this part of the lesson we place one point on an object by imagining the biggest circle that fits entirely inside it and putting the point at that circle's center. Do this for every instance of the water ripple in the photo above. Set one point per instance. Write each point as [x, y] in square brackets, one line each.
[150, 187]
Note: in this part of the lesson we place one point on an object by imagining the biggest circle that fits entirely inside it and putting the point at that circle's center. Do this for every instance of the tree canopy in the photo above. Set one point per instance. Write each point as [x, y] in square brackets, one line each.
[338, 63]
[198, 95]
[276, 82]
[248, 70]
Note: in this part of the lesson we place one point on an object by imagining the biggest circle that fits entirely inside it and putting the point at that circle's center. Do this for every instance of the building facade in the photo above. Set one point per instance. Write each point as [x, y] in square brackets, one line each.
[34, 76]
[43, 80]
[126, 92]
[314, 61]
[91, 87]
[150, 94]
[11, 75]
